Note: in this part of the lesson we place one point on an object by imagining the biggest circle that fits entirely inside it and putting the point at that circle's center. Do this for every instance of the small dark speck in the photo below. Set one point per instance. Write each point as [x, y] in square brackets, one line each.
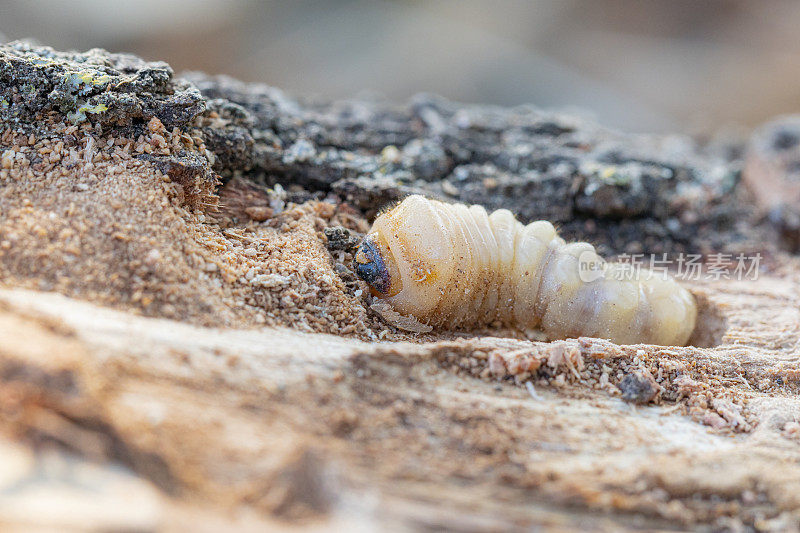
[638, 387]
[340, 238]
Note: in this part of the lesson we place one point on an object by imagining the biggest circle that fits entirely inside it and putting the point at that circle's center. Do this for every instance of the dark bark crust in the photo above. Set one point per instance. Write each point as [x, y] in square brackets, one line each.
[627, 193]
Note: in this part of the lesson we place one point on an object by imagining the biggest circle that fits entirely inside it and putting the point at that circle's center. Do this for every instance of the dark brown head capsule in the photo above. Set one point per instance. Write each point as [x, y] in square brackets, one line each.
[370, 266]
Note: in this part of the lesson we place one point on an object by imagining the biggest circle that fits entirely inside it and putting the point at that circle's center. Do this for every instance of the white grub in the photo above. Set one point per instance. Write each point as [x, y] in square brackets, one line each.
[454, 265]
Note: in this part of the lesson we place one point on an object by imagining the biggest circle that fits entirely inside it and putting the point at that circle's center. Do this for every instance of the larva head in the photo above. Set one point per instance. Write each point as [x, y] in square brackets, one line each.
[408, 256]
[375, 264]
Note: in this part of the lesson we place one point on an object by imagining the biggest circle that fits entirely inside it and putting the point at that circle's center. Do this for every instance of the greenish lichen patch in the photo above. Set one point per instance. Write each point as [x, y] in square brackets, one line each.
[79, 115]
[85, 81]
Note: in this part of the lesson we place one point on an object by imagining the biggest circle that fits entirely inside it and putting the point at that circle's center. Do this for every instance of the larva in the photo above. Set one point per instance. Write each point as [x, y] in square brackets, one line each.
[457, 266]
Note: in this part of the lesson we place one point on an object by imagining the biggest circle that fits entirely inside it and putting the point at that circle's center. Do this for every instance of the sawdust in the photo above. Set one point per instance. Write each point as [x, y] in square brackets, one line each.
[83, 214]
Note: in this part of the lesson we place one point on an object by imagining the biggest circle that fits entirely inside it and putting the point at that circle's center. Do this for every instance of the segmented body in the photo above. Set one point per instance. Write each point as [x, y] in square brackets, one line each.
[457, 266]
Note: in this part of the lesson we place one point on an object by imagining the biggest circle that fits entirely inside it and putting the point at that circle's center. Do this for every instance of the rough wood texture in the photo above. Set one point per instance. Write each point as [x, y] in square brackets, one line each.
[198, 332]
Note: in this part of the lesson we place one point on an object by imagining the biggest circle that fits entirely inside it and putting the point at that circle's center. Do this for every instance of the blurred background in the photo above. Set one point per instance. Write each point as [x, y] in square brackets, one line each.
[661, 65]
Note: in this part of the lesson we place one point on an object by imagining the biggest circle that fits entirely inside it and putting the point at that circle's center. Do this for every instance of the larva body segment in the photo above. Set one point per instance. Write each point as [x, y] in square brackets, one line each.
[457, 266]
